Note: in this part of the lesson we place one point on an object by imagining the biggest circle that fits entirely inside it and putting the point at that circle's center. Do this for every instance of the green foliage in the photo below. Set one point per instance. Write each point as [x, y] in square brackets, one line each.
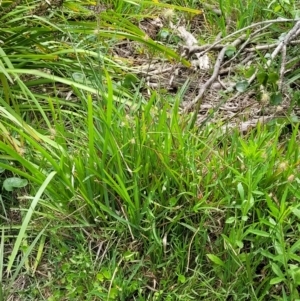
[10, 184]
[119, 200]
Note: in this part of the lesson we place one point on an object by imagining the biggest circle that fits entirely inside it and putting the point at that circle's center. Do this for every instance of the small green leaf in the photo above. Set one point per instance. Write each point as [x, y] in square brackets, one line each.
[249, 72]
[128, 255]
[279, 248]
[258, 232]
[295, 247]
[276, 269]
[277, 8]
[113, 293]
[173, 201]
[181, 278]
[267, 254]
[296, 212]
[276, 99]
[276, 280]
[241, 190]
[230, 51]
[257, 192]
[273, 78]
[14, 182]
[295, 273]
[104, 273]
[129, 80]
[239, 243]
[100, 277]
[272, 206]
[294, 257]
[215, 259]
[262, 78]
[230, 220]
[242, 86]
[163, 34]
[78, 77]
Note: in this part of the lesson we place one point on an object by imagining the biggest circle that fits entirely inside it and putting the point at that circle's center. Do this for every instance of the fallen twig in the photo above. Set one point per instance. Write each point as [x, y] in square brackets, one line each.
[268, 46]
[243, 46]
[214, 76]
[233, 68]
[293, 33]
[290, 35]
[197, 49]
[282, 68]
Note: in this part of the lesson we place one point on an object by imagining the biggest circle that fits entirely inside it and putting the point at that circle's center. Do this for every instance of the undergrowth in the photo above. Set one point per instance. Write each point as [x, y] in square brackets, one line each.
[108, 194]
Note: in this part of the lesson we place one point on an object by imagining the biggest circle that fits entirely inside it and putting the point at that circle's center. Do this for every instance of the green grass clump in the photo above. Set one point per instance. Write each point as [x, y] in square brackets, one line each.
[117, 198]
[208, 212]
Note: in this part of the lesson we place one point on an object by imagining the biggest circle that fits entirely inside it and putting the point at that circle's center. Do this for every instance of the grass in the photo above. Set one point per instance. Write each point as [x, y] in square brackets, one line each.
[122, 199]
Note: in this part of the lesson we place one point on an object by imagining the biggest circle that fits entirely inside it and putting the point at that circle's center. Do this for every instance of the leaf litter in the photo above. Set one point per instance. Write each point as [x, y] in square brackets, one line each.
[222, 82]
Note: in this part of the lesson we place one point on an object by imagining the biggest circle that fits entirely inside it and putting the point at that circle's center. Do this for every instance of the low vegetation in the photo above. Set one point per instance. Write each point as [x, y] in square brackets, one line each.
[126, 174]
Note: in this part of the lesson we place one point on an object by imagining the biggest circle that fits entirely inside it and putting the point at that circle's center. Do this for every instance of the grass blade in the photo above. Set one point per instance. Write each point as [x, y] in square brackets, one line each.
[22, 231]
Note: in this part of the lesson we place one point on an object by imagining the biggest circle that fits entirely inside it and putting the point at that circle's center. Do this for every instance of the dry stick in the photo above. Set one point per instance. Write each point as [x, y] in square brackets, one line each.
[282, 47]
[218, 37]
[285, 41]
[292, 33]
[269, 46]
[232, 68]
[237, 53]
[252, 49]
[214, 76]
[204, 47]
[220, 58]
[253, 35]
[196, 49]
[243, 46]
[198, 99]
[297, 33]
[282, 68]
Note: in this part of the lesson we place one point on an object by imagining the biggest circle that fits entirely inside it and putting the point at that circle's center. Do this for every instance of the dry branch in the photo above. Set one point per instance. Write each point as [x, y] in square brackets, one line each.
[282, 68]
[290, 35]
[214, 76]
[268, 46]
[197, 49]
